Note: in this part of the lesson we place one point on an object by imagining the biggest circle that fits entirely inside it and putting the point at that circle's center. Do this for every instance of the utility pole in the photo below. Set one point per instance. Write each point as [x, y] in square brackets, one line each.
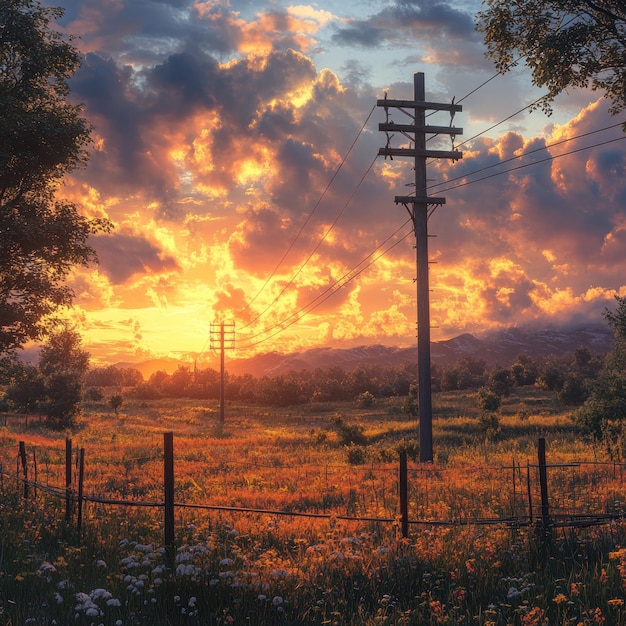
[417, 207]
[222, 337]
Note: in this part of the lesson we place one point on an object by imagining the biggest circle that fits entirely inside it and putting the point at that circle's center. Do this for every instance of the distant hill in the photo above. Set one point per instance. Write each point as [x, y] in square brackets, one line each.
[496, 349]
[499, 348]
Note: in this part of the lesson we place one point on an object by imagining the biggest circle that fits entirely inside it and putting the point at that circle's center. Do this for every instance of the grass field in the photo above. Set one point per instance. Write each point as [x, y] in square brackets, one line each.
[334, 461]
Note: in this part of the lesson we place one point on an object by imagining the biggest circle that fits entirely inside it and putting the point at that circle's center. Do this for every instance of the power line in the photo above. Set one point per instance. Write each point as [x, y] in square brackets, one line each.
[524, 154]
[519, 167]
[306, 221]
[329, 291]
[305, 310]
[319, 243]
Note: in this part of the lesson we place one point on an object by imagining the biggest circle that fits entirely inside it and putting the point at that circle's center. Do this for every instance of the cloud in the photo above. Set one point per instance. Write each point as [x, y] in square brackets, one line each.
[124, 255]
[242, 177]
[404, 20]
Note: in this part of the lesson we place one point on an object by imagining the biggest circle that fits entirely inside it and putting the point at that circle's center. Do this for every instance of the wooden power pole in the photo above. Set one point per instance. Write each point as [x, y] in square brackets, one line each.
[418, 207]
[222, 338]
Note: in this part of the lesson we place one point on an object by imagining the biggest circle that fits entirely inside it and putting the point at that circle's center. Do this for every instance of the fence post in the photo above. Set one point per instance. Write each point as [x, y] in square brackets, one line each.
[24, 468]
[168, 485]
[543, 483]
[35, 474]
[404, 494]
[81, 477]
[530, 493]
[68, 480]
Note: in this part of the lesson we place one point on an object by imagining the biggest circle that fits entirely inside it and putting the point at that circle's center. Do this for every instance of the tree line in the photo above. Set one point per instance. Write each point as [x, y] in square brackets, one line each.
[62, 381]
[568, 376]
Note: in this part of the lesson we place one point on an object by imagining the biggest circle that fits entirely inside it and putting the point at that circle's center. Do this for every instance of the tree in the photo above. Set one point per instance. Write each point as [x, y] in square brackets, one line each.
[565, 43]
[63, 366]
[42, 138]
[115, 402]
[26, 387]
[606, 404]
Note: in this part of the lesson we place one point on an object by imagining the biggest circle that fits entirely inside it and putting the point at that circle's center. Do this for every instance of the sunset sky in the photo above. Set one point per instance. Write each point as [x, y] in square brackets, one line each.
[228, 152]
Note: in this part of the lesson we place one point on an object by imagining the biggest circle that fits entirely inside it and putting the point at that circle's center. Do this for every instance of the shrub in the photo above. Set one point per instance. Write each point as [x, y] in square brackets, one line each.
[357, 455]
[115, 402]
[488, 399]
[93, 394]
[365, 399]
[489, 424]
[351, 434]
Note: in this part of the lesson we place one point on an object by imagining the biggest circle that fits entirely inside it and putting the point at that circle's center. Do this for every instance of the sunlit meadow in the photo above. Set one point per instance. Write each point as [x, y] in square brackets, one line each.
[335, 553]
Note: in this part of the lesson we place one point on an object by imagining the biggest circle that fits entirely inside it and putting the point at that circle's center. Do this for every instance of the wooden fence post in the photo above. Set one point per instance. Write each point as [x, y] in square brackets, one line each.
[81, 477]
[168, 485]
[68, 480]
[530, 493]
[24, 468]
[404, 494]
[35, 474]
[543, 483]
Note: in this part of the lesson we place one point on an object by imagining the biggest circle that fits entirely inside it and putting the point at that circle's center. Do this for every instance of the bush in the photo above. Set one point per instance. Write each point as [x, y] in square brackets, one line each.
[488, 399]
[365, 399]
[351, 434]
[93, 394]
[489, 424]
[115, 402]
[357, 455]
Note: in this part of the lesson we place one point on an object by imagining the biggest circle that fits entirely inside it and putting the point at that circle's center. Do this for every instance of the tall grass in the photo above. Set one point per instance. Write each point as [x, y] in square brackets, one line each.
[230, 567]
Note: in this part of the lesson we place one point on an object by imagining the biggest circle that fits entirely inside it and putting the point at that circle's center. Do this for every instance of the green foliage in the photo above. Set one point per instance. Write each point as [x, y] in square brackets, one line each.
[489, 424]
[606, 402]
[115, 402]
[26, 387]
[524, 370]
[466, 373]
[356, 454]
[500, 381]
[112, 376]
[574, 391]
[63, 366]
[488, 399]
[63, 399]
[350, 433]
[365, 400]
[565, 43]
[93, 394]
[42, 138]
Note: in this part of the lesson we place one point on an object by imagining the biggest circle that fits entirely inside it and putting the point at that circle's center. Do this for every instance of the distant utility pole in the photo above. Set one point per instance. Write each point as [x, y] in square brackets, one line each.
[222, 337]
[417, 206]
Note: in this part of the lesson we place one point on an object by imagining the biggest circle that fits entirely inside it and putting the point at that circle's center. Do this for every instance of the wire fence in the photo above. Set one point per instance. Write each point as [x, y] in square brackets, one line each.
[515, 495]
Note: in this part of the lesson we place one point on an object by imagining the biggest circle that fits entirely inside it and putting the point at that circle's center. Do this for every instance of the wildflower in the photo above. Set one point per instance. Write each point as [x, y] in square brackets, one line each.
[47, 567]
[560, 598]
[100, 563]
[437, 608]
[616, 602]
[575, 588]
[598, 618]
[277, 601]
[534, 617]
[513, 593]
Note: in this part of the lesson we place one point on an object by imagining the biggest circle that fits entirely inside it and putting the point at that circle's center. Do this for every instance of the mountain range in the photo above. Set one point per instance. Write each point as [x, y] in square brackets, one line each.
[500, 348]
